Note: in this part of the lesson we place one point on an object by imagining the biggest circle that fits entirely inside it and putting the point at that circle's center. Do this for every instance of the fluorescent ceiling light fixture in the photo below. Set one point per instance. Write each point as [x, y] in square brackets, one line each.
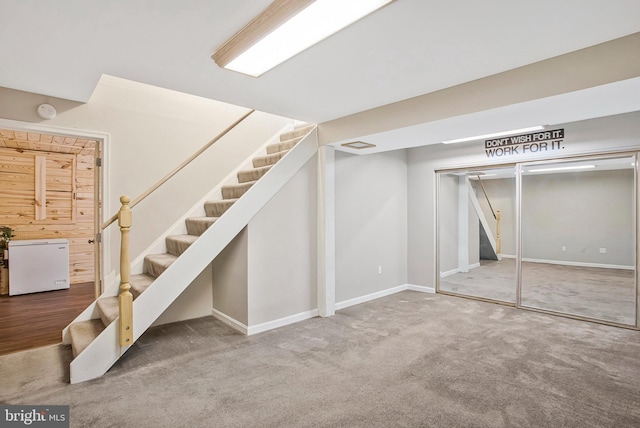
[286, 28]
[562, 168]
[495, 134]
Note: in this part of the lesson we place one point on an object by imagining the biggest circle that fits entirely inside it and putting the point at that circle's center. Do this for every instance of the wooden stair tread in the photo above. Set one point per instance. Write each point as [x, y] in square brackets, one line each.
[283, 145]
[108, 308]
[155, 264]
[270, 159]
[300, 131]
[236, 190]
[252, 174]
[197, 225]
[177, 244]
[83, 333]
[139, 283]
[217, 208]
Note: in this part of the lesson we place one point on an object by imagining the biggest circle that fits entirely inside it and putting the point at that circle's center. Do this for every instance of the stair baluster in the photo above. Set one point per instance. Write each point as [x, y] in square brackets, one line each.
[125, 299]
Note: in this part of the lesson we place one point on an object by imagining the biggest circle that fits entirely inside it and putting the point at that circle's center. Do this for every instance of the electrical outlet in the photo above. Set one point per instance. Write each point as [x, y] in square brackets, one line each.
[379, 270]
[603, 251]
[564, 248]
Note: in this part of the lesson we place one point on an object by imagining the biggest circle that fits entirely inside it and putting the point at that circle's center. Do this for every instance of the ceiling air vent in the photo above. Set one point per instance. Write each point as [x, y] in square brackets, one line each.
[358, 145]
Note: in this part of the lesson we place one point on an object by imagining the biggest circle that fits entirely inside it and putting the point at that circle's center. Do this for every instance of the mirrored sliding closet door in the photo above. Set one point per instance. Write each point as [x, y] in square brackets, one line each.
[477, 233]
[579, 239]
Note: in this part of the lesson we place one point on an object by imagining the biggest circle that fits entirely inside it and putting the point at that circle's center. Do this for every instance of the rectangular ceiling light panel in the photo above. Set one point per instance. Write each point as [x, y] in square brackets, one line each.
[319, 20]
[562, 168]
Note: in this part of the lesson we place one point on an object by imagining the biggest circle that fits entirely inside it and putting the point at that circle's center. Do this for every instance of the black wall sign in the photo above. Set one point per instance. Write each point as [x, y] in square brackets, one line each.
[525, 144]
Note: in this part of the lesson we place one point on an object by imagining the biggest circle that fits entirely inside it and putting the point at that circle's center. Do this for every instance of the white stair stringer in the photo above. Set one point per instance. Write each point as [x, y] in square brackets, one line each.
[158, 246]
[483, 220]
[103, 352]
[91, 311]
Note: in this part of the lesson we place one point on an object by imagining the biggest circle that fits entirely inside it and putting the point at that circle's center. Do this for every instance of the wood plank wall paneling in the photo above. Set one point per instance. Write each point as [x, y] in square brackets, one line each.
[41, 187]
[66, 217]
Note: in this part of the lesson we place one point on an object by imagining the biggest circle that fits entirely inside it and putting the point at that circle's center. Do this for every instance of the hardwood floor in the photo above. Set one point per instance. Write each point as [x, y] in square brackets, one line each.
[33, 320]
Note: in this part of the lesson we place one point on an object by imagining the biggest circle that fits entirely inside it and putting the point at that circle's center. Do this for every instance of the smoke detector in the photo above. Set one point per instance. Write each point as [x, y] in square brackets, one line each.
[47, 111]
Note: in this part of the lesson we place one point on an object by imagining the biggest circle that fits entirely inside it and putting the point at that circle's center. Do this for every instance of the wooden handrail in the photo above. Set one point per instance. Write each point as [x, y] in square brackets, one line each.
[125, 299]
[486, 196]
[179, 167]
[125, 219]
[496, 215]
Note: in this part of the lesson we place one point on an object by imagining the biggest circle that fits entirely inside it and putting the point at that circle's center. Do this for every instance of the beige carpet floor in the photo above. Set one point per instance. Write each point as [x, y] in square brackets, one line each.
[407, 360]
[604, 294]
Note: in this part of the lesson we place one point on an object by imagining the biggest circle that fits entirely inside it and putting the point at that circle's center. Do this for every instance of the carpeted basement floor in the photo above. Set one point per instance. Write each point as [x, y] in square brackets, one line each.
[597, 293]
[407, 360]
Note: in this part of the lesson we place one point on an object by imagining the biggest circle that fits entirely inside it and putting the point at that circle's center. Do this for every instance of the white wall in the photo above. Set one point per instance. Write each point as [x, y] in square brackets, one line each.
[474, 237]
[453, 188]
[268, 272]
[621, 132]
[582, 211]
[371, 223]
[282, 251]
[448, 215]
[152, 130]
[194, 302]
[231, 279]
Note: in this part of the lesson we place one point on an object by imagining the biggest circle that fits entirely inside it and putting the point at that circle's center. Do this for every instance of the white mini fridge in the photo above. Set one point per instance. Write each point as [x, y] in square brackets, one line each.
[38, 265]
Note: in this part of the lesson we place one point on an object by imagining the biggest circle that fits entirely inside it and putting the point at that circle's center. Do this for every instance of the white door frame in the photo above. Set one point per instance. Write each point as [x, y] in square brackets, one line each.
[102, 248]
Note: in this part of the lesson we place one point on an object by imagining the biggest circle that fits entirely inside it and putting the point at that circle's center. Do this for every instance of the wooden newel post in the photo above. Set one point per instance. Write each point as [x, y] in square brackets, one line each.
[125, 299]
[498, 244]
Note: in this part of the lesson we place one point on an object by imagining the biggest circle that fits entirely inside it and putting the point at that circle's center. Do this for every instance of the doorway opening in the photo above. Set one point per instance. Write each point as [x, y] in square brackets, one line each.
[50, 190]
[551, 236]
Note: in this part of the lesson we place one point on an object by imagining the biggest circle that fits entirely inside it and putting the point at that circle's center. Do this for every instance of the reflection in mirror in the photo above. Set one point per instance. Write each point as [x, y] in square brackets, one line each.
[476, 252]
[578, 238]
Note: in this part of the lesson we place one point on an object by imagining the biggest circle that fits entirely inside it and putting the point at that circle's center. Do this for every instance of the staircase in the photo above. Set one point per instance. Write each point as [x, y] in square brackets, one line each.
[488, 244]
[94, 340]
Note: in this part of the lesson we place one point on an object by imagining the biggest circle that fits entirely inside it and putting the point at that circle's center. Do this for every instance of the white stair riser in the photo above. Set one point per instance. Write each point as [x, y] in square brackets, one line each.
[217, 208]
[252, 174]
[197, 226]
[237, 190]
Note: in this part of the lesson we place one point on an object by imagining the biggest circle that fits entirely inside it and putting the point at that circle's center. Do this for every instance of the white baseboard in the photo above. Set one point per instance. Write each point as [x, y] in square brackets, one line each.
[369, 297]
[421, 288]
[226, 319]
[265, 326]
[449, 273]
[579, 264]
[291, 319]
[383, 293]
[455, 271]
